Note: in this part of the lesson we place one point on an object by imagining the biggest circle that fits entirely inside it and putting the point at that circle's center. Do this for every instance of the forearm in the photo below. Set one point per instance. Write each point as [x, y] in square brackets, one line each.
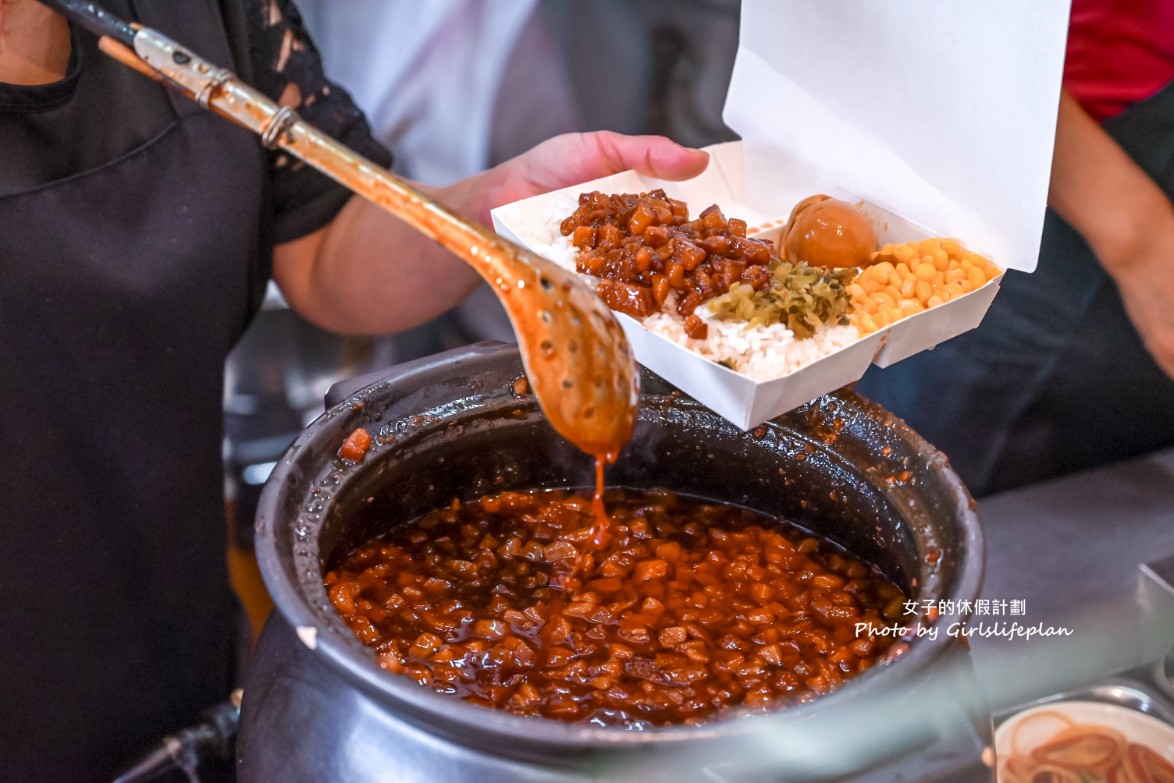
[370, 273]
[1098, 189]
[1126, 219]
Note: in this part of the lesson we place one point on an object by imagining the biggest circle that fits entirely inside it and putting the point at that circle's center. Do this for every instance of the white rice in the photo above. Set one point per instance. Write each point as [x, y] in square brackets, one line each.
[549, 241]
[758, 352]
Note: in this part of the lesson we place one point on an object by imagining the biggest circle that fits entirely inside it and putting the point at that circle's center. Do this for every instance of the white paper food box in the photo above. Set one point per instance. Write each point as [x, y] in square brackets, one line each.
[937, 115]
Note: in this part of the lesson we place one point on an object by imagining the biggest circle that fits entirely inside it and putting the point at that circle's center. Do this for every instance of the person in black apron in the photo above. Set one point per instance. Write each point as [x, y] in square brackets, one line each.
[136, 233]
[1056, 378]
[131, 259]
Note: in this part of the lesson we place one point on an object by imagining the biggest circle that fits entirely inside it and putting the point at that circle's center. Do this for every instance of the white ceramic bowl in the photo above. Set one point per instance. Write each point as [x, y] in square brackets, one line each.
[1038, 728]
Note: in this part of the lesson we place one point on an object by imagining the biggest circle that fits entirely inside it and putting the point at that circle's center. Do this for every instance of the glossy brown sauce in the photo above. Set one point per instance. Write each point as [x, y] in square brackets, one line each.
[686, 609]
[601, 528]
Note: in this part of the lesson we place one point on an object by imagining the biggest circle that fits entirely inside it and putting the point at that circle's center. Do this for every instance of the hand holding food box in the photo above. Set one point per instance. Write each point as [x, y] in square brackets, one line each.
[754, 313]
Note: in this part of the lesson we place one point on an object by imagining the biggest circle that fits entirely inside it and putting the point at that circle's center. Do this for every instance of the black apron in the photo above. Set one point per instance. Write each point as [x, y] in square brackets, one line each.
[124, 282]
[1055, 379]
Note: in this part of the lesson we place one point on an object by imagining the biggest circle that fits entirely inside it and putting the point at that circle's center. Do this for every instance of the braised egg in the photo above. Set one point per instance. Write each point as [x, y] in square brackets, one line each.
[824, 231]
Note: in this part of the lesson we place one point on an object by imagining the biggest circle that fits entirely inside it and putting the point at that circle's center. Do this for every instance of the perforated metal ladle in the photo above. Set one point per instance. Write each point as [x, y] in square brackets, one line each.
[576, 356]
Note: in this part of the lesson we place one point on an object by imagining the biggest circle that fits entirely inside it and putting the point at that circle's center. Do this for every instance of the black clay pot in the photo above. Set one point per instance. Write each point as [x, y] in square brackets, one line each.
[318, 708]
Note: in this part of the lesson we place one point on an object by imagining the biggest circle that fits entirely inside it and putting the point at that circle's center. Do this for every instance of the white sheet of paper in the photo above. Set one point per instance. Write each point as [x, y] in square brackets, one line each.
[943, 111]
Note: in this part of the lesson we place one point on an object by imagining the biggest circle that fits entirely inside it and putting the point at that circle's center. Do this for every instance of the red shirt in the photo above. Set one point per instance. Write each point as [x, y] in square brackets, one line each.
[1119, 52]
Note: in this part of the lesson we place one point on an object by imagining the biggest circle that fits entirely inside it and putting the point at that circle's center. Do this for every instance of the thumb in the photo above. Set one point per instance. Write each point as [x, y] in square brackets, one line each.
[654, 156]
[580, 157]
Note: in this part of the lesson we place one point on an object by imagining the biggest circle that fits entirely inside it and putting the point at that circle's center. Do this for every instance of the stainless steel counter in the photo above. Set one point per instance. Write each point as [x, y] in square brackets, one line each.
[1070, 550]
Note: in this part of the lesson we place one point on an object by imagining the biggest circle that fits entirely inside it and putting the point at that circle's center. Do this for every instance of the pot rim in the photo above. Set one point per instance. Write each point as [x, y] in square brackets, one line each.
[475, 725]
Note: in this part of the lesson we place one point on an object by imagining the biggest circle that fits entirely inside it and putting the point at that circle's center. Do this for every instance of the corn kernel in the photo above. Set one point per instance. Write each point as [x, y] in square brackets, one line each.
[910, 306]
[928, 246]
[905, 253]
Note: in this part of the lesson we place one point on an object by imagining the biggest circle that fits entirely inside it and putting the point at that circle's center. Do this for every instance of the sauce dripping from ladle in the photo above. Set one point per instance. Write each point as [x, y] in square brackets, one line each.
[601, 530]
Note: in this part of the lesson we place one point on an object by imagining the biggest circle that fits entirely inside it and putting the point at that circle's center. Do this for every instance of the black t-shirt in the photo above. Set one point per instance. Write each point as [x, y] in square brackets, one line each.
[273, 52]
